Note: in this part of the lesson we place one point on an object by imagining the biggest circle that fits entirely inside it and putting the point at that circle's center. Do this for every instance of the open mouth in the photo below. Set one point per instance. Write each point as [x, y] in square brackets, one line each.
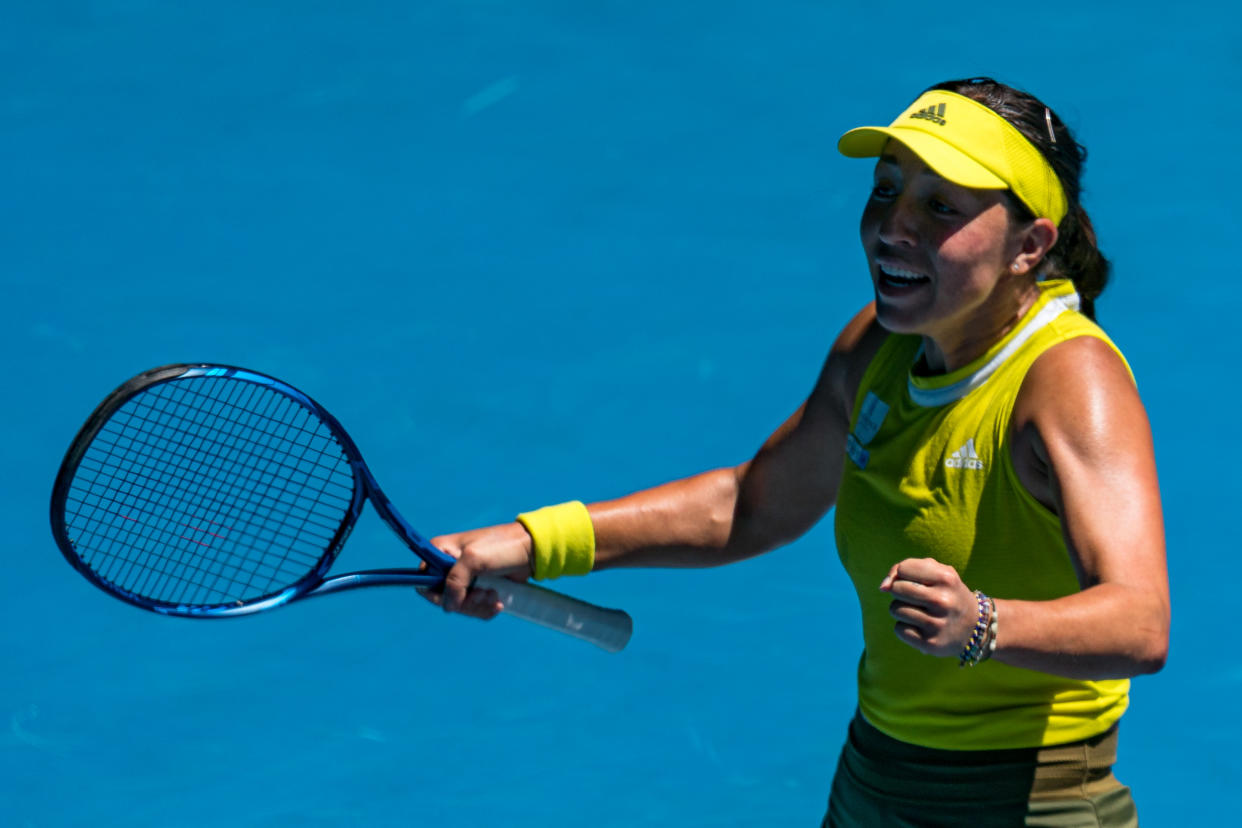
[896, 277]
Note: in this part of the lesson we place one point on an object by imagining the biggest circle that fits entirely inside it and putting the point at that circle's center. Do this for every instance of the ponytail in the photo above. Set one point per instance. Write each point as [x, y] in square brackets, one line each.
[1076, 257]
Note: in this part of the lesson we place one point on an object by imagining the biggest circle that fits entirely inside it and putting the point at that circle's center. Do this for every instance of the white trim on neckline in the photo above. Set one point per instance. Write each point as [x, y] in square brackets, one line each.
[934, 397]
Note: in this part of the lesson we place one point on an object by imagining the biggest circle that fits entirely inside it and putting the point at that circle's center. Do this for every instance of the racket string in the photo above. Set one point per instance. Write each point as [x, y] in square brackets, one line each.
[158, 439]
[179, 447]
[275, 426]
[140, 490]
[232, 490]
[257, 470]
[182, 445]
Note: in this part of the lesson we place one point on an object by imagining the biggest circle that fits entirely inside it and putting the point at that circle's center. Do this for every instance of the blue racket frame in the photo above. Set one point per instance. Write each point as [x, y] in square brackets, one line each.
[315, 581]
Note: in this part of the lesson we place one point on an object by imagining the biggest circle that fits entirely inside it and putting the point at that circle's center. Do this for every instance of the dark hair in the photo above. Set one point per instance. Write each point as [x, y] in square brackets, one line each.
[1075, 255]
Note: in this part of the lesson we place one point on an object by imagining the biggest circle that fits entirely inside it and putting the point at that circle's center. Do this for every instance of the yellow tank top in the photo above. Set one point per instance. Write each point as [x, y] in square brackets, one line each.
[929, 474]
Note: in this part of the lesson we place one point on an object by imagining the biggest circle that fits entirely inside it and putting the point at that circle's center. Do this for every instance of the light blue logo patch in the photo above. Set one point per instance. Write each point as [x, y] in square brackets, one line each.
[870, 418]
[857, 453]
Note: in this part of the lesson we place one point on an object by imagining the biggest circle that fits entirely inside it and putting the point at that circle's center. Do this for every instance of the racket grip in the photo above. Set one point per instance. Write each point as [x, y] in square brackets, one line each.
[609, 629]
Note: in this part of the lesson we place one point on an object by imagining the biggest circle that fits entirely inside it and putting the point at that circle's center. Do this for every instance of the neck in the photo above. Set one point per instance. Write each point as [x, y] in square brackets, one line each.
[969, 337]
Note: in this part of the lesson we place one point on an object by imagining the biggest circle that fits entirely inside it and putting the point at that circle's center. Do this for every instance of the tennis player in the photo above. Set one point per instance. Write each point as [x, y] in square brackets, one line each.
[991, 464]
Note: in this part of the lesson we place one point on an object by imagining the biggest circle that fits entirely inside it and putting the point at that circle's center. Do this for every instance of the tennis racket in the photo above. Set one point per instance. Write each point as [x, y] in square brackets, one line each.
[208, 491]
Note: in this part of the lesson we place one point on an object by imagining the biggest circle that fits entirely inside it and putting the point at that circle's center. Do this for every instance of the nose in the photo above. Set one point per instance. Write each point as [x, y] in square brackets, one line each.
[897, 223]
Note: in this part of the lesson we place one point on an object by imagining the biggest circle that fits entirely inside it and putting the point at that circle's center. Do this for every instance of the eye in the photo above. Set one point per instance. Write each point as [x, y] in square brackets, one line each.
[883, 190]
[941, 207]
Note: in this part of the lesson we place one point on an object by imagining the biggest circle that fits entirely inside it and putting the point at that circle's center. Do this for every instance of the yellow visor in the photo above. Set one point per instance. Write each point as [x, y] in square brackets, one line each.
[969, 144]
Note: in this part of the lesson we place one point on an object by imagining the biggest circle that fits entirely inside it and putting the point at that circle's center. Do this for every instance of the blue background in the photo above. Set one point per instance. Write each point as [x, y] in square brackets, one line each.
[527, 252]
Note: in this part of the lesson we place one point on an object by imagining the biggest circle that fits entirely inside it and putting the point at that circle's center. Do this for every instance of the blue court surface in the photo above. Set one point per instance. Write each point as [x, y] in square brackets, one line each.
[528, 252]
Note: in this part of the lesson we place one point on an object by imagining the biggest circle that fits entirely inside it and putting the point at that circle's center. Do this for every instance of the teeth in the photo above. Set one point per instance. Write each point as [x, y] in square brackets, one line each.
[905, 275]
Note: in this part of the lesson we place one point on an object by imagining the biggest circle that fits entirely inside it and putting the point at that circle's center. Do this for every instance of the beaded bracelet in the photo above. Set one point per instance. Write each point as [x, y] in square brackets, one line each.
[991, 647]
[976, 648]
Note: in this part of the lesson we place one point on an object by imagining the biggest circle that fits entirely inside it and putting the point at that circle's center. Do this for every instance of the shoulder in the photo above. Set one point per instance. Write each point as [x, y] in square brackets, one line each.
[1077, 404]
[847, 361]
[1080, 377]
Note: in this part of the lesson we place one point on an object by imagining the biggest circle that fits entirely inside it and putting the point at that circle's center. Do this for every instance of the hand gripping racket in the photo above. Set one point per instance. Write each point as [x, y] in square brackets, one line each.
[208, 491]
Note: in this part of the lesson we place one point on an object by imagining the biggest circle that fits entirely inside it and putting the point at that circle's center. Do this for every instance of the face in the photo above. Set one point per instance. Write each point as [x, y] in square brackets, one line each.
[940, 254]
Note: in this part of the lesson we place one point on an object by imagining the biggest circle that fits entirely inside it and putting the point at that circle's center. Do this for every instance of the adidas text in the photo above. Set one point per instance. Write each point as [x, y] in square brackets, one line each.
[964, 458]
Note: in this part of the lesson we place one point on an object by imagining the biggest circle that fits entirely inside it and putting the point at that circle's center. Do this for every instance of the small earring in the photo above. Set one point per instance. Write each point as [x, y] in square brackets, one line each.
[1014, 267]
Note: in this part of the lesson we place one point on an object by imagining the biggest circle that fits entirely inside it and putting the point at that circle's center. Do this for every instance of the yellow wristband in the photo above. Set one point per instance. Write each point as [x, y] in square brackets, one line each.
[562, 539]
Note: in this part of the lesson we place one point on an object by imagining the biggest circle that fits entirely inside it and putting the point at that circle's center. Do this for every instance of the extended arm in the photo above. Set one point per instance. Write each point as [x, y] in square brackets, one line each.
[711, 518]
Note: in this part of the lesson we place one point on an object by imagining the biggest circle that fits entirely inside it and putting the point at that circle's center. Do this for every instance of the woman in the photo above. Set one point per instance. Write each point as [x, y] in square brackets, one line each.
[993, 473]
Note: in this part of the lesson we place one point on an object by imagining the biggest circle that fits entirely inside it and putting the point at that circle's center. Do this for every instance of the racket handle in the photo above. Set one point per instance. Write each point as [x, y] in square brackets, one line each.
[609, 629]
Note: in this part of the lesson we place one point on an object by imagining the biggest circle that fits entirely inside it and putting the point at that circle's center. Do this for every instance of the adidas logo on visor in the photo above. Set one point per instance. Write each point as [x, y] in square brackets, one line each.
[933, 113]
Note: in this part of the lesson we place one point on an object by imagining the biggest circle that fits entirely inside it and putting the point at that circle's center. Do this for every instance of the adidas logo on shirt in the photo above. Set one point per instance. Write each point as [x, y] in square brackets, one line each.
[964, 458]
[933, 113]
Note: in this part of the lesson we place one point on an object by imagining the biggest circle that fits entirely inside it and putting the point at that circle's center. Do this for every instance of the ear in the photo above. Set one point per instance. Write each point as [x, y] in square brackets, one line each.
[1036, 240]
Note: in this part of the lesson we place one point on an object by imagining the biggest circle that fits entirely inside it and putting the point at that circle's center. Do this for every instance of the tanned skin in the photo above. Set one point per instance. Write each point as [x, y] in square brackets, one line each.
[1081, 445]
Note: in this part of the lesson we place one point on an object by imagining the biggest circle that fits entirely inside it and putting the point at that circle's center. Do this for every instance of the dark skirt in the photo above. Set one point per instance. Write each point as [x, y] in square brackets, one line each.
[883, 782]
